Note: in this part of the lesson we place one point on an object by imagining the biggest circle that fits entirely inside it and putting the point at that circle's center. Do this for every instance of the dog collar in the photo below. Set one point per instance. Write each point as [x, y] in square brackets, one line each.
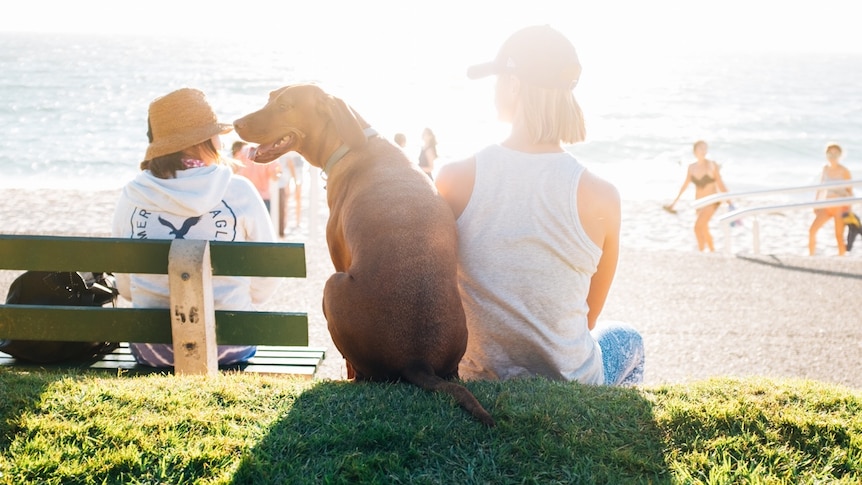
[338, 154]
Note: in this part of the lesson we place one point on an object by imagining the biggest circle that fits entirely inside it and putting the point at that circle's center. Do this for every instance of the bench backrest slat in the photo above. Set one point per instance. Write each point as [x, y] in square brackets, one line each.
[258, 259]
[71, 323]
[53, 253]
[50, 253]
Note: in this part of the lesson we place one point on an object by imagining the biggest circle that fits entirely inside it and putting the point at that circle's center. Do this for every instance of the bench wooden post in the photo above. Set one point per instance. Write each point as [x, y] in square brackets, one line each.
[192, 312]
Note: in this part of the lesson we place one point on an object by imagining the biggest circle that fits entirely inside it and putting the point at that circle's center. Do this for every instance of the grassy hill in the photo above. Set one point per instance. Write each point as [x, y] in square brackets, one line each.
[242, 429]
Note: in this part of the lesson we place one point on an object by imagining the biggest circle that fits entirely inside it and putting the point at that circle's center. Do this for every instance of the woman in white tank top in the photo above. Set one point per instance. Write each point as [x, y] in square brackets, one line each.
[538, 233]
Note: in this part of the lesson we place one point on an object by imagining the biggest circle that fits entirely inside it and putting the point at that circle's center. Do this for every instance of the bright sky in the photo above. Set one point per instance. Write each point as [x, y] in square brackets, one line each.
[636, 27]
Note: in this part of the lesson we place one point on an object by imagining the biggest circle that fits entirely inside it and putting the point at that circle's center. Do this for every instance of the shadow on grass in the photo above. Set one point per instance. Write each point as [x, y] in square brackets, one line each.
[547, 432]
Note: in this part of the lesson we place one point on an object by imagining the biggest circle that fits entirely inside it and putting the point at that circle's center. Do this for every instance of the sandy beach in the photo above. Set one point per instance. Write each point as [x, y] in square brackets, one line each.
[777, 314]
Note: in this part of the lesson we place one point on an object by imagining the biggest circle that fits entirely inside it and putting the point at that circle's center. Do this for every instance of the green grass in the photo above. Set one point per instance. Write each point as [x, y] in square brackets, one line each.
[89, 428]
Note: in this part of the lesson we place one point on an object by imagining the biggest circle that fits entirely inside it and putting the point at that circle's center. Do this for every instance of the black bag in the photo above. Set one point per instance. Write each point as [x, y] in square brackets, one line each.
[59, 288]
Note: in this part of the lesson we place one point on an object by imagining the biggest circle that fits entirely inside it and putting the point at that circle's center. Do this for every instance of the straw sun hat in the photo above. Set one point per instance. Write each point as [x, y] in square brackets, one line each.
[179, 120]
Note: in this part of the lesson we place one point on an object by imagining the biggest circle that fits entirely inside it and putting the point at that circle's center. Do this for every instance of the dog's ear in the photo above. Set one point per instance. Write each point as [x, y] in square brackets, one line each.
[347, 123]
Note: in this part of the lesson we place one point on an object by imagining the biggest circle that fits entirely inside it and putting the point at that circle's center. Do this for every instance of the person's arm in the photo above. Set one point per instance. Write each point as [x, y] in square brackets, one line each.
[455, 184]
[431, 155]
[847, 176]
[681, 190]
[719, 182]
[607, 199]
[820, 194]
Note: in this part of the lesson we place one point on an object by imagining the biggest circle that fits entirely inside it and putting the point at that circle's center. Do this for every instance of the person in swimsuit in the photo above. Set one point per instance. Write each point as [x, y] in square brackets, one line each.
[706, 177]
[832, 171]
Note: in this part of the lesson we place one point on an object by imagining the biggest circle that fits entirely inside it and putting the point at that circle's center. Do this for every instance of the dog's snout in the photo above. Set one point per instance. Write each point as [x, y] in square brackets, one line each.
[239, 123]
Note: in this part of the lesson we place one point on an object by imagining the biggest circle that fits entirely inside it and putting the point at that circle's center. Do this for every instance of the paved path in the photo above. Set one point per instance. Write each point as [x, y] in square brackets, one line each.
[709, 315]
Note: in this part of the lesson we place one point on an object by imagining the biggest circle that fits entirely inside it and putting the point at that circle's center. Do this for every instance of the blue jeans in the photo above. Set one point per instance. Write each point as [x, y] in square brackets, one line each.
[622, 353]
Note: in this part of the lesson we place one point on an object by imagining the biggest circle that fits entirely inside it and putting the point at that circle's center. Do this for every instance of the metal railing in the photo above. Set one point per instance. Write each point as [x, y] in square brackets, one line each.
[737, 214]
[722, 196]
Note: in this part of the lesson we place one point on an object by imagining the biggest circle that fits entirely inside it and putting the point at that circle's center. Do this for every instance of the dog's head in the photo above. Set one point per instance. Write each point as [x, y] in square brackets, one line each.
[301, 118]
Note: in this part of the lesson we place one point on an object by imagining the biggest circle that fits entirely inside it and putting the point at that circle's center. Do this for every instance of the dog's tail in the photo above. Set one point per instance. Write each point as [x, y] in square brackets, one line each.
[422, 375]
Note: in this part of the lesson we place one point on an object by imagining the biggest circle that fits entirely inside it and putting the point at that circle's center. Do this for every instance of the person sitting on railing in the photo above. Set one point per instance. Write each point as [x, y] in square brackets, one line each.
[832, 172]
[706, 177]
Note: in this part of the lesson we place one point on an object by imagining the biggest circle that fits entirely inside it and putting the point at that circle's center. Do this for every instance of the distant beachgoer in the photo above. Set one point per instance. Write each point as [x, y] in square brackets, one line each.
[535, 266]
[292, 170]
[186, 191]
[232, 162]
[706, 177]
[429, 152]
[260, 174]
[237, 150]
[832, 172]
[400, 139]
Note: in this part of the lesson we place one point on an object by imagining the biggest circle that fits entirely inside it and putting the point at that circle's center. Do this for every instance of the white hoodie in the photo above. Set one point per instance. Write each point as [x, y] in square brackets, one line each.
[206, 203]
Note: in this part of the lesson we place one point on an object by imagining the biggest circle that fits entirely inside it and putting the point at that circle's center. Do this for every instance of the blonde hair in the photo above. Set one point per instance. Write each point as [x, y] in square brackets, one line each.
[551, 115]
[835, 146]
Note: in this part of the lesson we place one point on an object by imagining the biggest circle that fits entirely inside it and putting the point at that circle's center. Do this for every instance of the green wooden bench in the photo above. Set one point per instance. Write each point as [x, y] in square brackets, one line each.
[191, 323]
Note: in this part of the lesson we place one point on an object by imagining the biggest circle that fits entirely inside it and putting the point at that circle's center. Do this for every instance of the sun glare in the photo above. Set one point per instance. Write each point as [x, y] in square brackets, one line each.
[619, 26]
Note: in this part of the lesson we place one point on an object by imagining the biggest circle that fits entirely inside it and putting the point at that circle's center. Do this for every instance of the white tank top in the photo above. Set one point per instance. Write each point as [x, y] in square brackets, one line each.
[525, 270]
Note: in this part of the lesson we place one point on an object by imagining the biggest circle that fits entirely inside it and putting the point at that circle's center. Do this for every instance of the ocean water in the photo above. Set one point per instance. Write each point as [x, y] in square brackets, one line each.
[73, 107]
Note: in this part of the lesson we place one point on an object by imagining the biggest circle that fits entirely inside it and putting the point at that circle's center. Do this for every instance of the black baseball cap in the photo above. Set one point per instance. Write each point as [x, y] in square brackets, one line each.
[538, 55]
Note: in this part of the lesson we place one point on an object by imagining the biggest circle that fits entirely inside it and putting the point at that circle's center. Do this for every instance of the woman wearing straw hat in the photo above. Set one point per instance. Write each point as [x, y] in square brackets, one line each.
[535, 266]
[187, 191]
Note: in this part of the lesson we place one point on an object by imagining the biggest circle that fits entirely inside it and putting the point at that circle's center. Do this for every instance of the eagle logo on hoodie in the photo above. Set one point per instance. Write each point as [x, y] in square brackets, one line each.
[179, 233]
[217, 224]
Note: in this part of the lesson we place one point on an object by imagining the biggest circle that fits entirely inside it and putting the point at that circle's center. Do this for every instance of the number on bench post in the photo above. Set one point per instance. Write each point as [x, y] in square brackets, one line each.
[192, 311]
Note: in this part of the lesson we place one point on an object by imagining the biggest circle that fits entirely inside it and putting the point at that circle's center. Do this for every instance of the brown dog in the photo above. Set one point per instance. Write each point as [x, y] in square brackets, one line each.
[393, 308]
